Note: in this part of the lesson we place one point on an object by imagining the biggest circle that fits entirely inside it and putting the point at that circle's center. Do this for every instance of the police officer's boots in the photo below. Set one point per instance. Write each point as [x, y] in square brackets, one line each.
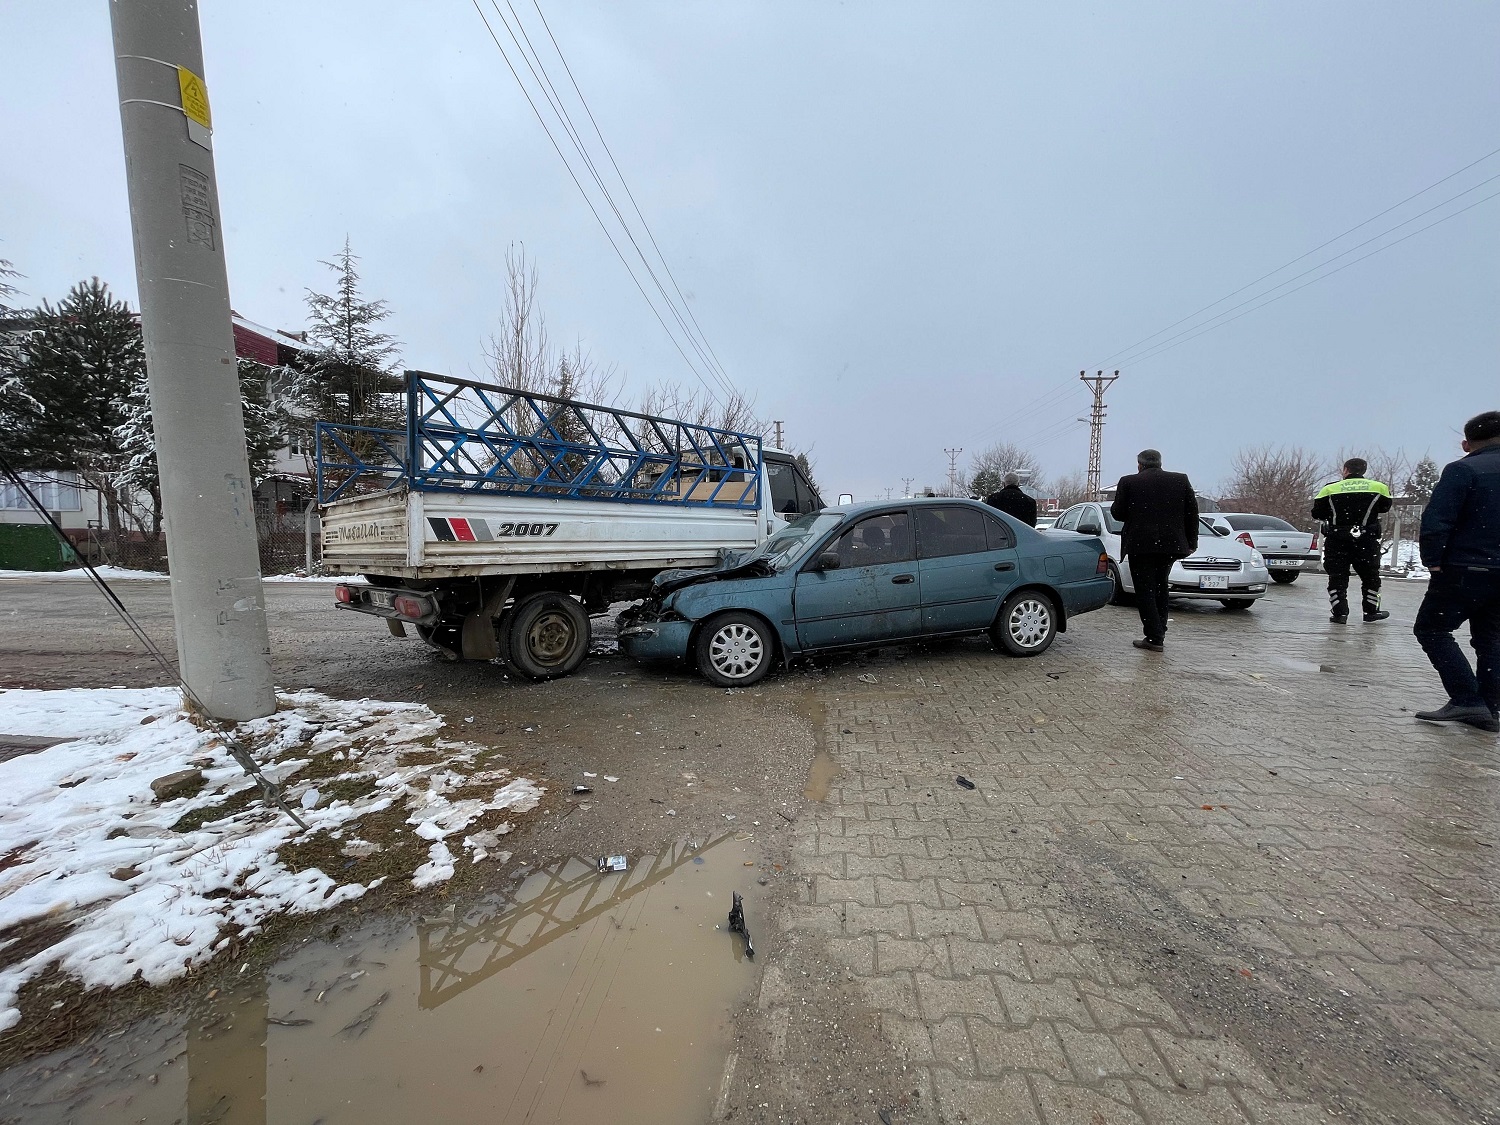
[1372, 609]
[1338, 606]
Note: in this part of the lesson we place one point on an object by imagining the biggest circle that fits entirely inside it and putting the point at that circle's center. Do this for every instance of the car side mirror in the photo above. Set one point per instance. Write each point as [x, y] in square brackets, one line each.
[1090, 529]
[828, 560]
[1221, 532]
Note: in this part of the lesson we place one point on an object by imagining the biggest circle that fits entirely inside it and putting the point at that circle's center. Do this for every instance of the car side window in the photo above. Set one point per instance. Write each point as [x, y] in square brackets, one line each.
[1069, 519]
[998, 534]
[876, 540]
[950, 531]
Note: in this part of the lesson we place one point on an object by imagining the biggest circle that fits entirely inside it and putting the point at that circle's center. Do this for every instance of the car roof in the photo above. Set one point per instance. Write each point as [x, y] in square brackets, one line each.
[913, 501]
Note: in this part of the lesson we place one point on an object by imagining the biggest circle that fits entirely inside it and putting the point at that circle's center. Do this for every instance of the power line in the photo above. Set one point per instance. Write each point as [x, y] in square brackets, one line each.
[544, 81]
[586, 198]
[1166, 347]
[1309, 253]
[607, 151]
[1326, 262]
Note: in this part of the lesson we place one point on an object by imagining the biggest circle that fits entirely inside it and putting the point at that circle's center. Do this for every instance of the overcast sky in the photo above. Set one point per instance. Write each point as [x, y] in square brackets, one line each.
[899, 225]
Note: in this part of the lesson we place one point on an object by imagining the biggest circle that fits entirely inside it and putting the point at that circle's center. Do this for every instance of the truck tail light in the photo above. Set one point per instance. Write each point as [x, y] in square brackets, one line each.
[342, 593]
[1244, 537]
[415, 608]
[1103, 567]
[1313, 546]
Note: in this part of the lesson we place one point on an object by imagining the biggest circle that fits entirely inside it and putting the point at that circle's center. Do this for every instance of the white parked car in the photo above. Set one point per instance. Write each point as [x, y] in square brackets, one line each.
[1222, 569]
[1287, 550]
[1044, 522]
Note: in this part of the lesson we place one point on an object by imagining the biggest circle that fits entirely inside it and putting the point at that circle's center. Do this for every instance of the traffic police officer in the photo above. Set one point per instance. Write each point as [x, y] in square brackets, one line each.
[1350, 510]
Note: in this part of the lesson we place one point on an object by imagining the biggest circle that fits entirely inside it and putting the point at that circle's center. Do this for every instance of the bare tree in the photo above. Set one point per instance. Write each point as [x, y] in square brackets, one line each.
[672, 400]
[1070, 488]
[988, 468]
[1275, 481]
[520, 354]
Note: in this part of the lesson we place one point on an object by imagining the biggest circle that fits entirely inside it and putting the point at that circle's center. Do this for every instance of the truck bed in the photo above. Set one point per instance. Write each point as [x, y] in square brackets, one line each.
[405, 533]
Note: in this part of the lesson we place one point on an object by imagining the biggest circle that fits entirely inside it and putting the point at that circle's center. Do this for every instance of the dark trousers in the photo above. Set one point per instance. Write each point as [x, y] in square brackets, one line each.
[1150, 574]
[1340, 553]
[1453, 597]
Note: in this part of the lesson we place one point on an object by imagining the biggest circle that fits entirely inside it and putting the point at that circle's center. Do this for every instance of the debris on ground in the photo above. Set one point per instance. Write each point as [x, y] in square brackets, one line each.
[180, 783]
[964, 781]
[613, 863]
[737, 924]
[868, 677]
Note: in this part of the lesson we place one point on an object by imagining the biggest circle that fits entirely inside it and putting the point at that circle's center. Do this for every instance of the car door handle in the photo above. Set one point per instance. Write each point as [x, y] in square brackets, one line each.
[903, 579]
[1005, 566]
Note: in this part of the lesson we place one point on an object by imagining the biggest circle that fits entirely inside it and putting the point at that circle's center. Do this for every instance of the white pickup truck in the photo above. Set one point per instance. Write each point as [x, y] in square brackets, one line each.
[497, 521]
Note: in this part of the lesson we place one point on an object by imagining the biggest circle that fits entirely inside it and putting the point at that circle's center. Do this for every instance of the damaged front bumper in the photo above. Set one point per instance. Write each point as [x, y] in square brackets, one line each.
[646, 633]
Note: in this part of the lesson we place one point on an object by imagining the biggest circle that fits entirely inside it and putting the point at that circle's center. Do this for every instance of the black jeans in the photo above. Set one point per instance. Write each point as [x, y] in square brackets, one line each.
[1363, 554]
[1150, 574]
[1455, 595]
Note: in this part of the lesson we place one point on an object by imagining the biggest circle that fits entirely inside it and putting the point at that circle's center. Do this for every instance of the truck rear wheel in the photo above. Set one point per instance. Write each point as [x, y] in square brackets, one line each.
[547, 635]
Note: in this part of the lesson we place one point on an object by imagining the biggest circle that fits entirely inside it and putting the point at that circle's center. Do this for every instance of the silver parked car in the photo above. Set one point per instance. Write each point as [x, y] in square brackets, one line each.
[1287, 550]
[1222, 569]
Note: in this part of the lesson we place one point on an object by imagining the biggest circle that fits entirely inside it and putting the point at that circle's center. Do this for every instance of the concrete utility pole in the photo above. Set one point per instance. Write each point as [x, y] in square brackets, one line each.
[778, 426]
[1098, 384]
[953, 468]
[223, 649]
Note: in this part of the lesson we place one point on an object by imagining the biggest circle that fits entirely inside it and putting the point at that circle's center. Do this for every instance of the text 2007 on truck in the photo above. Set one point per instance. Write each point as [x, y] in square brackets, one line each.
[496, 522]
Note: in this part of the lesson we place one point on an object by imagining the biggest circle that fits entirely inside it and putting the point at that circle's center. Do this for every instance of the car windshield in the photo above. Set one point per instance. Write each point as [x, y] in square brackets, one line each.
[789, 545]
[1209, 527]
[1258, 523]
[1112, 525]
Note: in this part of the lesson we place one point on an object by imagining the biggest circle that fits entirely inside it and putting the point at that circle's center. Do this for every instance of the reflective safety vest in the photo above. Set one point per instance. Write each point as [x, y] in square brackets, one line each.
[1352, 506]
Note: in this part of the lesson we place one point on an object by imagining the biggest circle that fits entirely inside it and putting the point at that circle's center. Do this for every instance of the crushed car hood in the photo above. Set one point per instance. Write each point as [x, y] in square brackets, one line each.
[731, 567]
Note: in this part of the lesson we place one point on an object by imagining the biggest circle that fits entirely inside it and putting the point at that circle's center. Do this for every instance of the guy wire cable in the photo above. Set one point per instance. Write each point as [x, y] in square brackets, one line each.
[269, 789]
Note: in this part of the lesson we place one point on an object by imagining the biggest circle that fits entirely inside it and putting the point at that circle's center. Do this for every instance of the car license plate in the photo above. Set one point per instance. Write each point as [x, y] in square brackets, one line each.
[1213, 582]
[1286, 564]
[383, 598]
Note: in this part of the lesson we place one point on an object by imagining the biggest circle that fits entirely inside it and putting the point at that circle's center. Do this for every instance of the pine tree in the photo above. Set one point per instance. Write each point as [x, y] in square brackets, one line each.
[1423, 480]
[76, 370]
[349, 378]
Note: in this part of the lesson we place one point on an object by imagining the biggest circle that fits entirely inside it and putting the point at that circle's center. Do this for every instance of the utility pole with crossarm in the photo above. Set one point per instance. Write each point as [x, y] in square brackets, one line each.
[1098, 384]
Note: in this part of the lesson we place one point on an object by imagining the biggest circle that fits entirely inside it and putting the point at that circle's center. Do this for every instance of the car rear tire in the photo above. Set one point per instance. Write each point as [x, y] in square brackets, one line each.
[735, 650]
[1117, 596]
[1285, 577]
[1026, 623]
[1237, 604]
[547, 637]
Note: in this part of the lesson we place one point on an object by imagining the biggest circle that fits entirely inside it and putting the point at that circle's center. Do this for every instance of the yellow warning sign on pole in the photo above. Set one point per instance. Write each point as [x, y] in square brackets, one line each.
[194, 97]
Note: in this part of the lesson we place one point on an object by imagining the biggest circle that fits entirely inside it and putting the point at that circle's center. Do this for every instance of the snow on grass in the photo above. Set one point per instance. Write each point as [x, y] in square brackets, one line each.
[85, 847]
[108, 573]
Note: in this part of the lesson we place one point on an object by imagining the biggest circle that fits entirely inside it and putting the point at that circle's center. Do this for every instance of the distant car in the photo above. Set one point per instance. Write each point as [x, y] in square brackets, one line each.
[1222, 569]
[870, 574]
[1044, 522]
[1286, 549]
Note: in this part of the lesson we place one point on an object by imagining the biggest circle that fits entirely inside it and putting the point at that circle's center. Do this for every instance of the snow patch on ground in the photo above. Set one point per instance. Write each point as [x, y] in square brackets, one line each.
[108, 573]
[84, 845]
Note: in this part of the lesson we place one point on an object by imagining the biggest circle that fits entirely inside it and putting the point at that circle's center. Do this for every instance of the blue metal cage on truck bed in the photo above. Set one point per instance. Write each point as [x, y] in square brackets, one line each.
[464, 436]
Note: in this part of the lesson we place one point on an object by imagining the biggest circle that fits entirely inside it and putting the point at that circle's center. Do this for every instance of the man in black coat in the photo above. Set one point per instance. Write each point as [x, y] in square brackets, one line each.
[1160, 514]
[1013, 502]
[1461, 547]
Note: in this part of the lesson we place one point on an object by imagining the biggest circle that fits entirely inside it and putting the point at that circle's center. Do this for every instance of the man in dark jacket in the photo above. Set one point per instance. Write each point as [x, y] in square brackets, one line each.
[1461, 547]
[1013, 502]
[1160, 514]
[1350, 510]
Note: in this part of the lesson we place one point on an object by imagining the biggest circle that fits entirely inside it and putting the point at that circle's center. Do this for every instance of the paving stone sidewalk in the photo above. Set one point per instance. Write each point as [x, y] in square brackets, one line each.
[1232, 883]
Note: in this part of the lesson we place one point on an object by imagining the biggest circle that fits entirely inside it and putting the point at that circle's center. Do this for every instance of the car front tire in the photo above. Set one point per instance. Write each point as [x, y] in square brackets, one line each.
[1117, 596]
[1237, 604]
[1285, 577]
[735, 650]
[1026, 623]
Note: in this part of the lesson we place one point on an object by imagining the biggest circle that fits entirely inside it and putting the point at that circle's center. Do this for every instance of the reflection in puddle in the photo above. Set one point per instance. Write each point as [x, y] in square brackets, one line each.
[581, 997]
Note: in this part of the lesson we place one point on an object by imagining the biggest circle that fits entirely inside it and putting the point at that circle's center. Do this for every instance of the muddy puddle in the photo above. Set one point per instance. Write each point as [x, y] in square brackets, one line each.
[579, 996]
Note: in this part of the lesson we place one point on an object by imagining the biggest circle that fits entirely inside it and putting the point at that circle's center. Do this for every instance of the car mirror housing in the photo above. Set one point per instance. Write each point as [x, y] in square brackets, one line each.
[1090, 529]
[828, 560]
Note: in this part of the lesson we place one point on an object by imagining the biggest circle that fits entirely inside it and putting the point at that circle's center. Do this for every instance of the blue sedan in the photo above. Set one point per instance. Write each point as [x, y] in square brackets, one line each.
[870, 574]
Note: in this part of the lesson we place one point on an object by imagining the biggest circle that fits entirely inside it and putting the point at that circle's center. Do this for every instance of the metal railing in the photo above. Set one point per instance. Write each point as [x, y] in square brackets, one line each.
[465, 436]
